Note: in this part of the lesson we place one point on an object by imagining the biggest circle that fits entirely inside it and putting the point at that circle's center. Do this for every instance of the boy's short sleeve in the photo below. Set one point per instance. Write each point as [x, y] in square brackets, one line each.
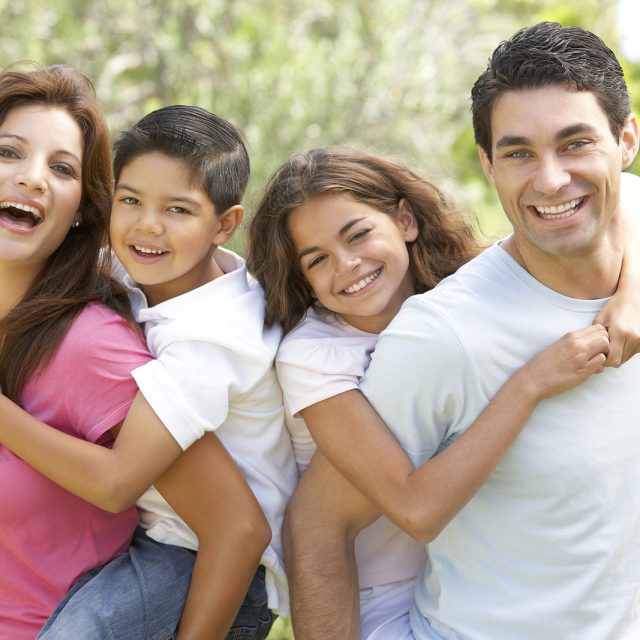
[191, 382]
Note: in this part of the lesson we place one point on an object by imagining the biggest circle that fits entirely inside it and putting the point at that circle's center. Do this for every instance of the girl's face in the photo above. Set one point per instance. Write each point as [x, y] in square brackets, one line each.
[40, 183]
[163, 229]
[354, 257]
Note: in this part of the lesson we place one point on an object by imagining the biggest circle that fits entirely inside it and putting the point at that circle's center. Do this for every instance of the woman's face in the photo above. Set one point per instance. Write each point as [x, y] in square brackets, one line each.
[40, 183]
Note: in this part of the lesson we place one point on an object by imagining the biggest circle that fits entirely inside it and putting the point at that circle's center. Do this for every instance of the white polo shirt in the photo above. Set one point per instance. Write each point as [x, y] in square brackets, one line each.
[214, 372]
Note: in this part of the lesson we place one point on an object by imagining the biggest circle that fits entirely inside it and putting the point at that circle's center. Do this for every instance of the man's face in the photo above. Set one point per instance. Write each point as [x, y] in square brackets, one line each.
[556, 167]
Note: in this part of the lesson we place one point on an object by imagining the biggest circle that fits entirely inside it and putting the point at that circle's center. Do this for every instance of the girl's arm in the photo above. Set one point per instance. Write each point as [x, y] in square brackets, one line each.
[209, 493]
[621, 315]
[112, 479]
[422, 501]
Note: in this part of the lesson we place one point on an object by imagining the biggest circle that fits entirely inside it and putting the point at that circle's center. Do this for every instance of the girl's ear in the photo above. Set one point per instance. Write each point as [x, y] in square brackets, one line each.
[228, 222]
[407, 221]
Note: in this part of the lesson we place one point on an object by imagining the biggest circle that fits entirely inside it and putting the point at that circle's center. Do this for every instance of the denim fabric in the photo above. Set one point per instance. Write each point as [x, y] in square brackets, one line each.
[140, 596]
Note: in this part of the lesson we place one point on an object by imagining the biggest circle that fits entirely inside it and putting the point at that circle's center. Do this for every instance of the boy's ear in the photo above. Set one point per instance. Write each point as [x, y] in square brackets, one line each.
[228, 222]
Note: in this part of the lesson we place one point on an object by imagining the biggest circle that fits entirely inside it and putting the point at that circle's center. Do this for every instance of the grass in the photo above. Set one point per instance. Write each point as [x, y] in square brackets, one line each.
[281, 630]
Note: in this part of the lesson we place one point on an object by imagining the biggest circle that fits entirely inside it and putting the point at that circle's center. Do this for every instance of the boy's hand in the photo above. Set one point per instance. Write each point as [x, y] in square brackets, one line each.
[568, 361]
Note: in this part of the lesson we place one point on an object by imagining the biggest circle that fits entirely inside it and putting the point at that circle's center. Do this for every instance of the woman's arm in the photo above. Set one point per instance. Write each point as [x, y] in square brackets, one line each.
[209, 493]
[422, 501]
[112, 479]
[621, 315]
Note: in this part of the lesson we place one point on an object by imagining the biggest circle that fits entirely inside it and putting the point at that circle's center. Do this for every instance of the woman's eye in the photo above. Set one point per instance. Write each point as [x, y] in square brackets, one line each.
[359, 234]
[7, 152]
[64, 169]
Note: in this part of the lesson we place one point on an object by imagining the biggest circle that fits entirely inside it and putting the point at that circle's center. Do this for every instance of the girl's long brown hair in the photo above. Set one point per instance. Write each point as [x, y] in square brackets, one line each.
[77, 272]
[445, 239]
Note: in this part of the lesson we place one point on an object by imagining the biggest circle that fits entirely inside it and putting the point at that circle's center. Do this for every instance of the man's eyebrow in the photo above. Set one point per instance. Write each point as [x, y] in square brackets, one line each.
[571, 130]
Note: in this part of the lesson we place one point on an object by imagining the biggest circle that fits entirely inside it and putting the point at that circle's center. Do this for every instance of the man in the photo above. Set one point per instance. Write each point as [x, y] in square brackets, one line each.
[549, 546]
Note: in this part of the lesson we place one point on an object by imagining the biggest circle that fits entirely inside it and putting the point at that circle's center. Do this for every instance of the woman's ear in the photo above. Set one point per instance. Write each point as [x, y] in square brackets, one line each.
[228, 222]
[407, 221]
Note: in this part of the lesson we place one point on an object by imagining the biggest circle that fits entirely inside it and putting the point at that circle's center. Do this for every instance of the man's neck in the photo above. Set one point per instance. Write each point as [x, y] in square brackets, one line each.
[585, 277]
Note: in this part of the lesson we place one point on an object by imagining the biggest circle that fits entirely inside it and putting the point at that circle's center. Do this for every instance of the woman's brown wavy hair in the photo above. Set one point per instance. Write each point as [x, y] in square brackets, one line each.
[77, 272]
[445, 239]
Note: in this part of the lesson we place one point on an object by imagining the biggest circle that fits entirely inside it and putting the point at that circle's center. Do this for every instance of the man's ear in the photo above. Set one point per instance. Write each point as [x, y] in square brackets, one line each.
[407, 221]
[629, 140]
[228, 222]
[487, 167]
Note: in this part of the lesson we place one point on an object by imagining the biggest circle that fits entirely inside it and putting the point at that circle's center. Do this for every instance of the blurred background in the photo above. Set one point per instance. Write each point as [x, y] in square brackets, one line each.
[293, 74]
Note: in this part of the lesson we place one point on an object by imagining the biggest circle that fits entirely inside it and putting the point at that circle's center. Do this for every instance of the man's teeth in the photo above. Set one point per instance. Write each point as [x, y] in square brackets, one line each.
[363, 283]
[9, 204]
[559, 210]
[156, 252]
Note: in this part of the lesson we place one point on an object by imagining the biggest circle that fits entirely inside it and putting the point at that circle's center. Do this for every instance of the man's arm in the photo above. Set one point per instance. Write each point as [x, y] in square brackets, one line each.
[323, 519]
[209, 493]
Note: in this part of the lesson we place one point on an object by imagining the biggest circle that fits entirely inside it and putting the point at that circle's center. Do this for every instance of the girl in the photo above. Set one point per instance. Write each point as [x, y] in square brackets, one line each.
[66, 349]
[340, 239]
[141, 593]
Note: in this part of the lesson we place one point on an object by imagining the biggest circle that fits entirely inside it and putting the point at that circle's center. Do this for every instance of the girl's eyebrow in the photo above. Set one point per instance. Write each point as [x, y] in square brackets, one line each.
[342, 231]
[15, 136]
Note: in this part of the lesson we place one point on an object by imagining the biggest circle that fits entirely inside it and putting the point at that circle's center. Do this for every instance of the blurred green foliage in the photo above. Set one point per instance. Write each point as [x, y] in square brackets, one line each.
[294, 74]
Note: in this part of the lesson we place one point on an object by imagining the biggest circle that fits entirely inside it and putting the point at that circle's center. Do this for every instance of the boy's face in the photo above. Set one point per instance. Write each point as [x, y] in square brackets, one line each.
[556, 167]
[163, 228]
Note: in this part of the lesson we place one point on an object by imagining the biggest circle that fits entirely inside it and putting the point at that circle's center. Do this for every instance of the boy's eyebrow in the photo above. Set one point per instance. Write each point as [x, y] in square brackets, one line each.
[342, 231]
[128, 187]
[571, 130]
[15, 136]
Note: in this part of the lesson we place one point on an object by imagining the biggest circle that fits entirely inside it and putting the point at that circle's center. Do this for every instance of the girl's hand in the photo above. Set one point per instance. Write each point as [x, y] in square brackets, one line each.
[621, 317]
[567, 362]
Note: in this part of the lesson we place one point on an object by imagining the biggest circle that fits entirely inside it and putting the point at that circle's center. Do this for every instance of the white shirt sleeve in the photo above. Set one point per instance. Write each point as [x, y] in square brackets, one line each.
[312, 370]
[190, 384]
[418, 380]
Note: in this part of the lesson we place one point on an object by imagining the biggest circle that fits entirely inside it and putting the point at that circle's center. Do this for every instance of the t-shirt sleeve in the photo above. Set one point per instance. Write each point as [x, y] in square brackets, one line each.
[418, 380]
[92, 370]
[312, 370]
[190, 384]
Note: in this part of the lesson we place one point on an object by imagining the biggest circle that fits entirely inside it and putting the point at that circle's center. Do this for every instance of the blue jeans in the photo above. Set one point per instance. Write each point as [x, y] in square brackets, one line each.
[140, 596]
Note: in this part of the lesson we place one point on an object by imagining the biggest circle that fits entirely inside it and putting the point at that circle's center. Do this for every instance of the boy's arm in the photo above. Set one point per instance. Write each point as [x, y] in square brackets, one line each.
[621, 315]
[112, 479]
[207, 490]
[422, 501]
[323, 518]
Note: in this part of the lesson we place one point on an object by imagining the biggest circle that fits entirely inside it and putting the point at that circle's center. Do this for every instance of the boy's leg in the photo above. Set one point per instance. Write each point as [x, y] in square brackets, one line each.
[138, 596]
[254, 620]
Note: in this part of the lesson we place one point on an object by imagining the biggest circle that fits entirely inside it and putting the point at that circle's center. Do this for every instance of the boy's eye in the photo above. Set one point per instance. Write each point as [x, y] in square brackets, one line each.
[576, 144]
[7, 152]
[518, 154]
[177, 209]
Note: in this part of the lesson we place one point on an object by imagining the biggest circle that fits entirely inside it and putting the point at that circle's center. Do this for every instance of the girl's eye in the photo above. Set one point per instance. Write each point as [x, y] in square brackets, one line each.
[316, 261]
[130, 200]
[359, 234]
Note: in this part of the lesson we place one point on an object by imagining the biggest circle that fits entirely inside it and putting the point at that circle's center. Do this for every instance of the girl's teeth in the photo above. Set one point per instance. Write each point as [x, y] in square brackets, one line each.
[363, 283]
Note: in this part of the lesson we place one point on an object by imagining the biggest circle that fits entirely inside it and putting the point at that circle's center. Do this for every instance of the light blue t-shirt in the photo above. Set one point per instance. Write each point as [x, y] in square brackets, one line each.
[549, 547]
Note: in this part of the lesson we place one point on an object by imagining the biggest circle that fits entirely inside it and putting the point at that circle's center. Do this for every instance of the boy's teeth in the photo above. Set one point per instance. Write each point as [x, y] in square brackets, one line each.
[559, 211]
[363, 283]
[145, 250]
